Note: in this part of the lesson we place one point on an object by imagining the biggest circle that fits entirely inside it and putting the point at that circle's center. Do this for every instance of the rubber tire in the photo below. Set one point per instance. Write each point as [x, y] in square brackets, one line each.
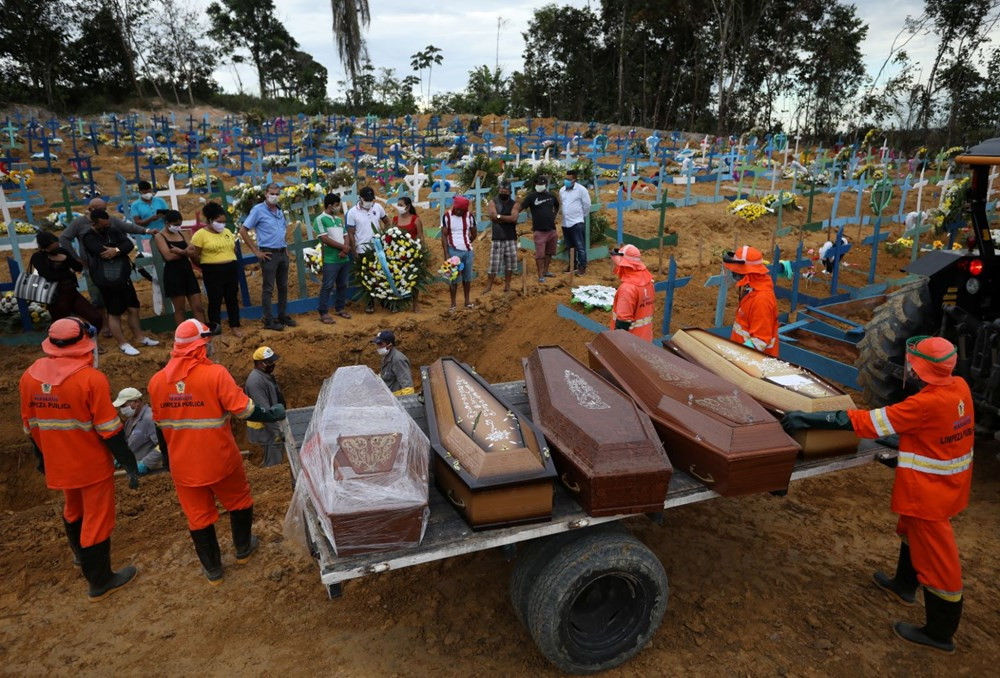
[907, 312]
[568, 572]
[534, 555]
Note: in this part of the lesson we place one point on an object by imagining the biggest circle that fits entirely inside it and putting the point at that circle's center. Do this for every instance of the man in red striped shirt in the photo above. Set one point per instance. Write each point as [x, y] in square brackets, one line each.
[458, 231]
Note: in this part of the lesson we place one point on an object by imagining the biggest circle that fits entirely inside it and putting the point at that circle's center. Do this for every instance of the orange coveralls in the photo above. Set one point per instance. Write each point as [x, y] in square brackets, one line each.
[933, 475]
[205, 461]
[757, 315]
[68, 421]
[634, 302]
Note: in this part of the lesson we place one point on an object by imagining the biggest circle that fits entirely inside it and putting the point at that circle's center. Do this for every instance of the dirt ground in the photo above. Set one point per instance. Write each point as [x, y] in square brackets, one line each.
[759, 585]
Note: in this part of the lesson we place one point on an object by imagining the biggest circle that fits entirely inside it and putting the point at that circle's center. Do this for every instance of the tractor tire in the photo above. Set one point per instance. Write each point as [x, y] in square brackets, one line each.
[906, 312]
[597, 602]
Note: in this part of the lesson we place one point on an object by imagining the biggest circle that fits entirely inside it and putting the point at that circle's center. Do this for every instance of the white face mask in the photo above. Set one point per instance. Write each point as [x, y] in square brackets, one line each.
[539, 188]
[272, 199]
[147, 196]
[382, 350]
[365, 205]
[173, 229]
[218, 226]
[127, 411]
[401, 208]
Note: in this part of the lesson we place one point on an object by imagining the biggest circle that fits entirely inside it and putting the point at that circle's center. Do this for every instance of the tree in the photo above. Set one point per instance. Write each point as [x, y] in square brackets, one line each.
[176, 51]
[34, 40]
[251, 25]
[349, 18]
[426, 59]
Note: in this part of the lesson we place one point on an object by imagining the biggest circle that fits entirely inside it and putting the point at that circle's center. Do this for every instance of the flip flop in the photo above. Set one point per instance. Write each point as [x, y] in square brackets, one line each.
[343, 314]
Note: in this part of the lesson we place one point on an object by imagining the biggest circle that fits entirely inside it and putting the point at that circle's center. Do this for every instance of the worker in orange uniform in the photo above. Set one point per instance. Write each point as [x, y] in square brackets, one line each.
[633, 306]
[66, 409]
[192, 398]
[756, 323]
[933, 475]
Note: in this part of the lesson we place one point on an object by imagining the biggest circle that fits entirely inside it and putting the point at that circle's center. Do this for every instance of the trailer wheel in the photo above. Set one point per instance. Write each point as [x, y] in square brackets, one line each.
[882, 351]
[597, 602]
[534, 555]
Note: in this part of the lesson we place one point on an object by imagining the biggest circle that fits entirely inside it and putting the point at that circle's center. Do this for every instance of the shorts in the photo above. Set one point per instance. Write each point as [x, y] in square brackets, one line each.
[503, 257]
[545, 243]
[179, 280]
[468, 258]
[117, 300]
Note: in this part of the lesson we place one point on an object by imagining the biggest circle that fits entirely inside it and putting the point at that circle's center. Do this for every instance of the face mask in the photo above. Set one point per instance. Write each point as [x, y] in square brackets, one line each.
[147, 196]
[268, 368]
[539, 188]
[127, 411]
[568, 183]
[400, 208]
[174, 229]
[365, 205]
[736, 276]
[218, 226]
[505, 196]
[272, 199]
[382, 350]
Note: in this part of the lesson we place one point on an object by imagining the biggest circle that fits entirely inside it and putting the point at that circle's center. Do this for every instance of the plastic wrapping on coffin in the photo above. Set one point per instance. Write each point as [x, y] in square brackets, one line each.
[606, 449]
[710, 429]
[365, 465]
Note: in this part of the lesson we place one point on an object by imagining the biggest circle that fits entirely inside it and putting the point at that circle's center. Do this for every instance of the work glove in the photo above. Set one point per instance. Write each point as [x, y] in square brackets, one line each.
[162, 444]
[143, 469]
[40, 465]
[118, 446]
[267, 415]
[830, 421]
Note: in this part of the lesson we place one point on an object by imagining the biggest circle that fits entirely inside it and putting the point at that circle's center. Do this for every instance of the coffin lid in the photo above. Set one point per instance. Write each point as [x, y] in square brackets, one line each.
[587, 418]
[687, 398]
[477, 433]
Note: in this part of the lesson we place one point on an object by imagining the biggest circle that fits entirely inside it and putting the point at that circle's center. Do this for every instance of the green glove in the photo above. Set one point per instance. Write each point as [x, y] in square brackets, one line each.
[118, 446]
[266, 415]
[623, 324]
[830, 421]
[39, 459]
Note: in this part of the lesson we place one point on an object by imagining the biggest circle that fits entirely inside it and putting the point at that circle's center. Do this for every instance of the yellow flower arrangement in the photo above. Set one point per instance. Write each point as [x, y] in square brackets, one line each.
[751, 211]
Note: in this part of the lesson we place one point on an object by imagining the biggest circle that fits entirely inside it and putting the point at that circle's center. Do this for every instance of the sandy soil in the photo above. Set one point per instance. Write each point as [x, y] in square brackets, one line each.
[760, 585]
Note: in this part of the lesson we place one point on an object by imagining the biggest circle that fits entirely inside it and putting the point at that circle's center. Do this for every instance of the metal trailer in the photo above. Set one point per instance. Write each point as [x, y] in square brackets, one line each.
[590, 593]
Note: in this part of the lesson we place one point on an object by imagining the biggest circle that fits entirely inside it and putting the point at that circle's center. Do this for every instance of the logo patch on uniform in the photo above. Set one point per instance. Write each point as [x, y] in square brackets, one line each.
[961, 408]
[46, 388]
[180, 387]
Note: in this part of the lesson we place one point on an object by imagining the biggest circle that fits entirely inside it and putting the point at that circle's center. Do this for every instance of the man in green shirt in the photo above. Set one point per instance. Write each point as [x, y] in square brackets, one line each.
[336, 259]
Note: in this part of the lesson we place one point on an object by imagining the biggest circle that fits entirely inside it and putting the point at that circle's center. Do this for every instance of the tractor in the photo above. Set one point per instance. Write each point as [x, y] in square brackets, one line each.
[957, 297]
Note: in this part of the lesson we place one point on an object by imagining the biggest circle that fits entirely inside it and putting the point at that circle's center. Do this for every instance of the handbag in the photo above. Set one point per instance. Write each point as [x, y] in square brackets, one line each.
[111, 272]
[31, 287]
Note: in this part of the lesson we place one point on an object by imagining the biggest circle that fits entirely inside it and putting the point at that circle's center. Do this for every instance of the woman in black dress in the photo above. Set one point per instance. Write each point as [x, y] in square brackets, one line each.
[179, 281]
[60, 266]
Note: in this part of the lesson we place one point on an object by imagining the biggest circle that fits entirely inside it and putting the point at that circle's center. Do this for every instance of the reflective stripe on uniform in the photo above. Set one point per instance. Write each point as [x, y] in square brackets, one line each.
[938, 467]
[642, 321]
[247, 411]
[193, 423]
[109, 425]
[950, 596]
[759, 344]
[60, 424]
[880, 420]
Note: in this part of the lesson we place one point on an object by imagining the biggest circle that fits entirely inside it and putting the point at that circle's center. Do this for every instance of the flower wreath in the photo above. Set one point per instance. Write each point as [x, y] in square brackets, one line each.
[392, 268]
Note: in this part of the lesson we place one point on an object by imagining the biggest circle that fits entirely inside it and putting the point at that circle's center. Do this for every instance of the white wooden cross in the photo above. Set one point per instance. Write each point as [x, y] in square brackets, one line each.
[920, 215]
[704, 147]
[7, 205]
[885, 149]
[414, 182]
[172, 192]
[568, 156]
[944, 184]
[545, 159]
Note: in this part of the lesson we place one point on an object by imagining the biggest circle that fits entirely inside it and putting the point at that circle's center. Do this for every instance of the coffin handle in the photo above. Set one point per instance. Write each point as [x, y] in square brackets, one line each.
[457, 502]
[570, 485]
[704, 479]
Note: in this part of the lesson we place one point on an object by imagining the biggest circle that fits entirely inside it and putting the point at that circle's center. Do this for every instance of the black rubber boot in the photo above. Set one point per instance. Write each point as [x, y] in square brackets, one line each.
[206, 545]
[73, 535]
[904, 585]
[943, 617]
[243, 540]
[95, 561]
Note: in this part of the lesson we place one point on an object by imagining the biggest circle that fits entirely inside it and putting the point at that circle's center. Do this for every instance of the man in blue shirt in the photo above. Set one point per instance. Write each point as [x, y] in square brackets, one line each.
[144, 209]
[271, 228]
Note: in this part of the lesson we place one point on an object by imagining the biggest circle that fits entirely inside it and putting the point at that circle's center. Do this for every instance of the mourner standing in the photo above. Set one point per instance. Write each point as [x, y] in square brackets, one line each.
[503, 251]
[363, 222]
[633, 304]
[66, 409]
[395, 366]
[192, 398]
[933, 476]
[336, 259]
[543, 206]
[146, 211]
[179, 281]
[140, 431]
[756, 323]
[263, 389]
[267, 220]
[458, 232]
[575, 200]
[58, 265]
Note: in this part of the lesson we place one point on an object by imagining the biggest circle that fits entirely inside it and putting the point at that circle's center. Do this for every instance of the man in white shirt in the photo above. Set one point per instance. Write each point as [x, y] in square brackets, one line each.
[363, 219]
[575, 201]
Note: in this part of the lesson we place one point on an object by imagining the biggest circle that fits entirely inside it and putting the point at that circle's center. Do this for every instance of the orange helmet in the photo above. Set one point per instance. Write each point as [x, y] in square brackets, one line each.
[745, 260]
[932, 358]
[69, 337]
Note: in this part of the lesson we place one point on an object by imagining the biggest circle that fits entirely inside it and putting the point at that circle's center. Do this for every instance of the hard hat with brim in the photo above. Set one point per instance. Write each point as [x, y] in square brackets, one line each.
[628, 256]
[192, 333]
[745, 260]
[265, 354]
[932, 358]
[69, 337]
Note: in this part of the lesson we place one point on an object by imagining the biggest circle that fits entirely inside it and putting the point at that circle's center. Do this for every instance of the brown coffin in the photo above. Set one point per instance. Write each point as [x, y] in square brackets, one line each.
[778, 385]
[605, 447]
[711, 430]
[365, 464]
[490, 461]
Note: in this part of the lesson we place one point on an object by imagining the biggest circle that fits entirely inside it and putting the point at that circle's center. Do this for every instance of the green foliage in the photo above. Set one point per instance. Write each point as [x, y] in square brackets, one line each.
[491, 166]
[599, 225]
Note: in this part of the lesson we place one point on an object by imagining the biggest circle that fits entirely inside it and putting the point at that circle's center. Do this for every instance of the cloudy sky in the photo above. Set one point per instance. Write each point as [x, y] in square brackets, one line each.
[468, 37]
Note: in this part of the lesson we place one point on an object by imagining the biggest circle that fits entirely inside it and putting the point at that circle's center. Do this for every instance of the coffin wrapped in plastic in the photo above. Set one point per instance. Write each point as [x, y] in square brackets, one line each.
[365, 465]
[606, 449]
[490, 461]
[776, 384]
[710, 429]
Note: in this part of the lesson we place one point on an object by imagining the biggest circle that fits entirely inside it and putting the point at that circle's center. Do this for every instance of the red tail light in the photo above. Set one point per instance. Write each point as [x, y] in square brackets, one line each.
[976, 266]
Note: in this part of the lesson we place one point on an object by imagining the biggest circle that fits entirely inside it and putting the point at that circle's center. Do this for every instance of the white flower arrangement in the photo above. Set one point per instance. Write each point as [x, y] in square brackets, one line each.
[594, 296]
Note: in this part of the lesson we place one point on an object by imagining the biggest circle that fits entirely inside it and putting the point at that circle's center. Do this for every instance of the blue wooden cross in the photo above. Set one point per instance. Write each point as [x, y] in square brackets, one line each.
[721, 281]
[797, 265]
[838, 250]
[29, 198]
[620, 205]
[47, 154]
[668, 286]
[476, 194]
[905, 189]
[834, 222]
[125, 197]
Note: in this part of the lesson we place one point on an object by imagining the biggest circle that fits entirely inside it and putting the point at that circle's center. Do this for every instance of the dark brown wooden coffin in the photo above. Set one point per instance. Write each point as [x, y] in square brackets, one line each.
[605, 448]
[490, 461]
[777, 384]
[365, 463]
[710, 429]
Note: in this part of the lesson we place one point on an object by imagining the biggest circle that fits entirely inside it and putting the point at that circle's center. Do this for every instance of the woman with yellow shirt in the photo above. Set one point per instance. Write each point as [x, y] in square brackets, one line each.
[214, 248]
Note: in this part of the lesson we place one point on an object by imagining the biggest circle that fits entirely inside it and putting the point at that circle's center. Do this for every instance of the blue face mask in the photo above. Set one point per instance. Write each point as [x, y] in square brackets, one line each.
[568, 183]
